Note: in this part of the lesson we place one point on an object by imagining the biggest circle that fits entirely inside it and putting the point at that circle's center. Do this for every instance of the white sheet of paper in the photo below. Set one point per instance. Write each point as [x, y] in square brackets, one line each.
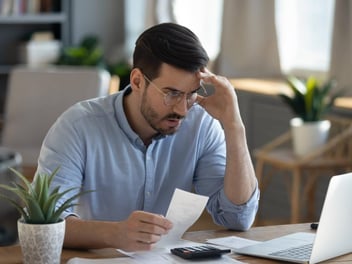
[184, 209]
[155, 256]
[232, 242]
[163, 256]
[151, 258]
[126, 260]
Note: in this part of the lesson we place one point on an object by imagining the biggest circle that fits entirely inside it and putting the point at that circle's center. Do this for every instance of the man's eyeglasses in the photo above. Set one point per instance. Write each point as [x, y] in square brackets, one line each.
[173, 97]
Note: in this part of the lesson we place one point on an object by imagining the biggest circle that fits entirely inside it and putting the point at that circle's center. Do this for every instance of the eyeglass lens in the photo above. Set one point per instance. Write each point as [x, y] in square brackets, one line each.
[173, 98]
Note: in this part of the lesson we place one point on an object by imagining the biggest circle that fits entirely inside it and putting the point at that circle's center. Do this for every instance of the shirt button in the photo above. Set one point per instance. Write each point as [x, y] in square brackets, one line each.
[148, 193]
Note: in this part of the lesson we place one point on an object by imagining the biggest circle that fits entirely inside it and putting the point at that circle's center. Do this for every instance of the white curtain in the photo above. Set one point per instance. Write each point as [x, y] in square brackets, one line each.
[341, 54]
[304, 30]
[248, 30]
[249, 46]
[249, 43]
[141, 14]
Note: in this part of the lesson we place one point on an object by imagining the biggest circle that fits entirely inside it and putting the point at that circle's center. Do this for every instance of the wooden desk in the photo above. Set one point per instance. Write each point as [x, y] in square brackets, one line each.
[12, 254]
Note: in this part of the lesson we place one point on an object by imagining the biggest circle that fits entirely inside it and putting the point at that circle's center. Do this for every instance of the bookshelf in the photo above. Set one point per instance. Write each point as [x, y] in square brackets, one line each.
[68, 20]
[44, 18]
[18, 23]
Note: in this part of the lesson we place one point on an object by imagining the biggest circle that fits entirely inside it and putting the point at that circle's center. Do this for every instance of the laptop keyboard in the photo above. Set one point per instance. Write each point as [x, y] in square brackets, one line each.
[302, 252]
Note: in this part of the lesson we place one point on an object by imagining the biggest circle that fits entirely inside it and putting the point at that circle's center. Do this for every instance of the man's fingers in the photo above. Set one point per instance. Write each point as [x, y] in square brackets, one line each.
[156, 226]
[145, 229]
[155, 219]
[148, 238]
[151, 223]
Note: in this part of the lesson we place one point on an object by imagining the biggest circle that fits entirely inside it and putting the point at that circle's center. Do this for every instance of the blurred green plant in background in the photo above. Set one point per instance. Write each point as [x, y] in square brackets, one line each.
[310, 100]
[90, 53]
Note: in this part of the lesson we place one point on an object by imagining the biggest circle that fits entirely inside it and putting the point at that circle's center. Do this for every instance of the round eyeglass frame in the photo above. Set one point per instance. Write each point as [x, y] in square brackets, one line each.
[172, 98]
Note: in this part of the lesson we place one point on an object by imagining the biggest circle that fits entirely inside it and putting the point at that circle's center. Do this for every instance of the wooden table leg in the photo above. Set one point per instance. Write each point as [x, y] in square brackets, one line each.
[309, 194]
[295, 196]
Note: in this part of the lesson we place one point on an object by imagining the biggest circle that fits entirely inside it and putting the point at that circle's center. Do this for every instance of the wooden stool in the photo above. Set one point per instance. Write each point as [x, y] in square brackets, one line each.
[334, 157]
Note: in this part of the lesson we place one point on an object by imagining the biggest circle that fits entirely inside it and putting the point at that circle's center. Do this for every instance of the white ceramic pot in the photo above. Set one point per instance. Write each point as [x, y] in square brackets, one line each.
[308, 136]
[41, 244]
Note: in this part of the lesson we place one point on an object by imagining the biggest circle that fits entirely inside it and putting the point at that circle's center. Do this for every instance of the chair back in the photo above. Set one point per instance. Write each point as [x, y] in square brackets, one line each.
[37, 96]
[8, 213]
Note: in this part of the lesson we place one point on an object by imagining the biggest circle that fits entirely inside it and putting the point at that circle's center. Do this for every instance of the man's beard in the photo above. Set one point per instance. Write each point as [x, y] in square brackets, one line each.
[153, 118]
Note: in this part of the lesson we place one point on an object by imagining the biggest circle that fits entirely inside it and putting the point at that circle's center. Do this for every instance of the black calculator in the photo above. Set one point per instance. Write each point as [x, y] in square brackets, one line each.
[199, 252]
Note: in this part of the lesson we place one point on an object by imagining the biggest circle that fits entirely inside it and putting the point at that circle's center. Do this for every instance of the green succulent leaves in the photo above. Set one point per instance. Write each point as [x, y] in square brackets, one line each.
[310, 100]
[36, 203]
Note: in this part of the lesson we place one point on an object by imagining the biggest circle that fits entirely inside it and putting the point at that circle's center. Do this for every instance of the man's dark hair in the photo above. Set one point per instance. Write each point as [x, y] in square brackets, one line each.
[171, 44]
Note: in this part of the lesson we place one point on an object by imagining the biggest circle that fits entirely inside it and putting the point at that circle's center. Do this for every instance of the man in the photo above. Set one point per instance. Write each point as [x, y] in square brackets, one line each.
[135, 147]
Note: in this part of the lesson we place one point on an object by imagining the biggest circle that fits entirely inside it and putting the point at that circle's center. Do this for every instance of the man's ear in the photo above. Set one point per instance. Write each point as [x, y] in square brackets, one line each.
[137, 79]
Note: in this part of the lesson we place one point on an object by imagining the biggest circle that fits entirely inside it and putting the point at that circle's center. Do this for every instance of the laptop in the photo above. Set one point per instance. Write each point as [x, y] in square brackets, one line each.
[332, 238]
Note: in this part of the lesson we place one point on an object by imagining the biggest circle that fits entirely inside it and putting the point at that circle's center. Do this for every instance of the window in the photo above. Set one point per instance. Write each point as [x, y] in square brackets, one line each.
[134, 23]
[304, 35]
[204, 18]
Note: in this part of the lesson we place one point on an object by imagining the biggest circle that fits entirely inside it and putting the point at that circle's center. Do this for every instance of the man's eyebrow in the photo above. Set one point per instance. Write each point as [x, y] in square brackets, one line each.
[176, 90]
[172, 89]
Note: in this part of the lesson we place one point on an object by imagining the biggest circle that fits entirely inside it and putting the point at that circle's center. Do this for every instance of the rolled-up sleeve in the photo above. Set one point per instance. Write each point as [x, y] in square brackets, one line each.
[232, 216]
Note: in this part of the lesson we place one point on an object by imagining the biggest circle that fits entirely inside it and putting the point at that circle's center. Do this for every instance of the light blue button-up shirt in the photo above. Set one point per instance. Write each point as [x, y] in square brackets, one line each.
[96, 148]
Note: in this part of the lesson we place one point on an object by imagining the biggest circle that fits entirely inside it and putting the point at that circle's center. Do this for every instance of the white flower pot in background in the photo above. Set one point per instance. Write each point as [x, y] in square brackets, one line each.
[41, 243]
[308, 136]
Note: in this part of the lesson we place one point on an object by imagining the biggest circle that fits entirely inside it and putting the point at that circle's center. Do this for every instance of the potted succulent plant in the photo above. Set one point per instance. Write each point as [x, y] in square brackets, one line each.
[310, 101]
[40, 229]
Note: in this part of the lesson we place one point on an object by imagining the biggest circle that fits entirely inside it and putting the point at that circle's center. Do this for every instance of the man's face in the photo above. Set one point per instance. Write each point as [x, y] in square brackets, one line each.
[163, 115]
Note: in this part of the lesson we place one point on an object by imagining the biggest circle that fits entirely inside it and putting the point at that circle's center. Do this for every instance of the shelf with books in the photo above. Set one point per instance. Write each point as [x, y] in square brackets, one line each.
[20, 7]
[33, 18]
[19, 21]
